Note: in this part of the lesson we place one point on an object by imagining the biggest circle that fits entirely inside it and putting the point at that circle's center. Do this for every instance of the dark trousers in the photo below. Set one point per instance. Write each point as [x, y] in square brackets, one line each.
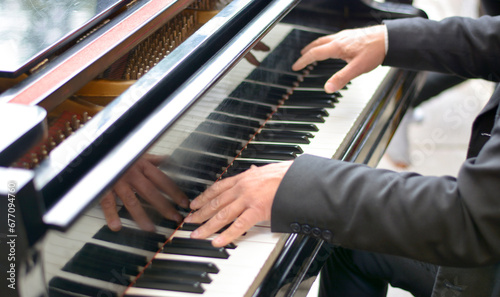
[358, 274]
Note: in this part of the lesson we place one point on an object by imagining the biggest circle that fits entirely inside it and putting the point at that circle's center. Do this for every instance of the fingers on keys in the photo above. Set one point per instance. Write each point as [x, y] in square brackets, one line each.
[150, 183]
[226, 210]
[108, 206]
[318, 50]
[133, 205]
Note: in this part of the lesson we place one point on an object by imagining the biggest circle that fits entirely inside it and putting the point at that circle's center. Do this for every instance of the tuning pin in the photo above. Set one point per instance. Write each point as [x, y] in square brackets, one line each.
[75, 123]
[60, 137]
[52, 143]
[34, 160]
[43, 152]
[68, 130]
[85, 117]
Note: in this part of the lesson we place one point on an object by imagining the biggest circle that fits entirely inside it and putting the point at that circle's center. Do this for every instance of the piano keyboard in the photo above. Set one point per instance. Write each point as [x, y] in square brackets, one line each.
[243, 120]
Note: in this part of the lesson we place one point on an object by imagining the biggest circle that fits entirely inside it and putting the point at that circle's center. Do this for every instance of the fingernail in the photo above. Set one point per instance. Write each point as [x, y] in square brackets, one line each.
[329, 87]
[195, 234]
[149, 227]
[218, 241]
[188, 219]
[115, 225]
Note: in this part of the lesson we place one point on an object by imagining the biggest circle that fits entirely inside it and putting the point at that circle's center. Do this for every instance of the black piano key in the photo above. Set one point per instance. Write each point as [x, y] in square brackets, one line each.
[192, 159]
[100, 252]
[202, 166]
[277, 78]
[191, 194]
[292, 126]
[283, 136]
[323, 71]
[197, 242]
[271, 155]
[212, 144]
[242, 108]
[153, 215]
[288, 51]
[224, 118]
[113, 275]
[60, 287]
[315, 81]
[260, 93]
[330, 64]
[213, 252]
[310, 102]
[87, 258]
[232, 171]
[194, 226]
[275, 147]
[280, 152]
[285, 115]
[241, 165]
[159, 273]
[191, 185]
[102, 269]
[303, 111]
[308, 94]
[170, 285]
[140, 239]
[186, 265]
[225, 129]
[196, 170]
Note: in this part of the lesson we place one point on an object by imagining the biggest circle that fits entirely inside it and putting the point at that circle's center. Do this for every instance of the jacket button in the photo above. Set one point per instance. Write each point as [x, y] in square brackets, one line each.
[295, 227]
[327, 235]
[306, 229]
[316, 232]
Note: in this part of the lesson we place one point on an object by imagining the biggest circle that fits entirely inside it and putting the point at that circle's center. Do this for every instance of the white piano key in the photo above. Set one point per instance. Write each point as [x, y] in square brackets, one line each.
[236, 274]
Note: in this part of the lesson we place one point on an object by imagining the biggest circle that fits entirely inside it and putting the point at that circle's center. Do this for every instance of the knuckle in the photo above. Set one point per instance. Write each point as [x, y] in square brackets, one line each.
[240, 223]
[214, 204]
[107, 203]
[130, 200]
[222, 214]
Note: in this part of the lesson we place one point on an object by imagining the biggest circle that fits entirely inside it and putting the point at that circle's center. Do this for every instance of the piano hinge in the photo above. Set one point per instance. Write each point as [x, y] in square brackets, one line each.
[131, 3]
[93, 30]
[38, 66]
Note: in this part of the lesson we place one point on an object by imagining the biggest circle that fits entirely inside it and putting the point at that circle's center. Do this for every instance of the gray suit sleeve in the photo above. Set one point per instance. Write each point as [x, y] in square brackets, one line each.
[441, 220]
[456, 45]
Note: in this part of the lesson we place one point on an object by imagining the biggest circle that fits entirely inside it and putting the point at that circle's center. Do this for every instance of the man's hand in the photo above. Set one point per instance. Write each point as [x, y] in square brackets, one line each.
[145, 179]
[363, 50]
[246, 199]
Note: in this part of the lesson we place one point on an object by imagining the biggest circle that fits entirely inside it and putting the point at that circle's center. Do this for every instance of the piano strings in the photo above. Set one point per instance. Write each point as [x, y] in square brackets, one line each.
[93, 97]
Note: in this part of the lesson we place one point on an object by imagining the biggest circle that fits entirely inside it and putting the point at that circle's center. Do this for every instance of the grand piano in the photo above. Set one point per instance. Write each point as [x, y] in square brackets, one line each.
[186, 80]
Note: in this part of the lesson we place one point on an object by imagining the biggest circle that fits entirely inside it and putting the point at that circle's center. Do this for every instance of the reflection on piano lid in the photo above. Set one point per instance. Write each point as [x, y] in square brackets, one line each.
[47, 27]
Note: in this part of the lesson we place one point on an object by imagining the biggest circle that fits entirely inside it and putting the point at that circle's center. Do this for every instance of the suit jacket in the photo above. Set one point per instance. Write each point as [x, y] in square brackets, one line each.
[453, 222]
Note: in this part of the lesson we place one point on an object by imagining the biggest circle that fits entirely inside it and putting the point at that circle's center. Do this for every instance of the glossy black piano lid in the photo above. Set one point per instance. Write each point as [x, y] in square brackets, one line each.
[32, 30]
